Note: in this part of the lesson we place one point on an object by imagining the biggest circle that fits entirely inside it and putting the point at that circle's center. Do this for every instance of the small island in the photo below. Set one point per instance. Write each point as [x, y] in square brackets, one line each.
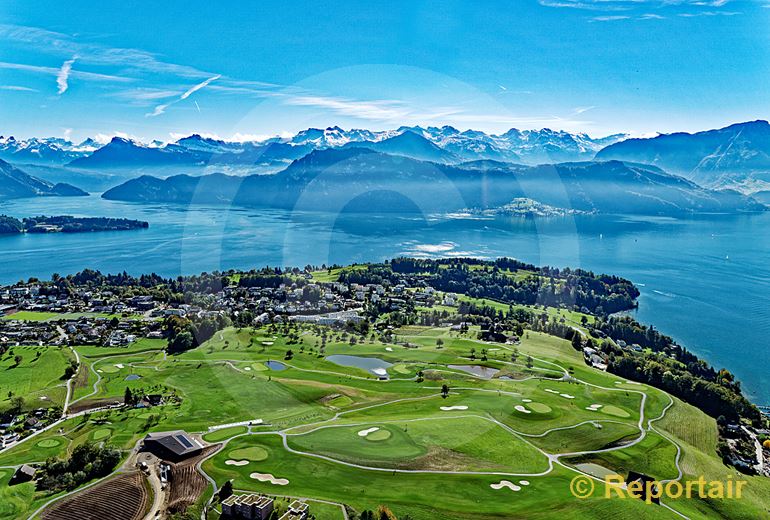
[67, 224]
[529, 208]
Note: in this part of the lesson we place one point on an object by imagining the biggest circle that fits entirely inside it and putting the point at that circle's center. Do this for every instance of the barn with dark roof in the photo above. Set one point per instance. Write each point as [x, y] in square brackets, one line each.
[176, 445]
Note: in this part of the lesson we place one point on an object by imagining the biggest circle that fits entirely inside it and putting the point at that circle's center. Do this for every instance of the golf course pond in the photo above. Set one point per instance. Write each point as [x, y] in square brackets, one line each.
[476, 370]
[275, 365]
[374, 365]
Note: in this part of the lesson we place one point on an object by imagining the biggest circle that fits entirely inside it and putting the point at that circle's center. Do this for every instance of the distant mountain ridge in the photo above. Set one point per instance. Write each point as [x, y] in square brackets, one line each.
[15, 183]
[48, 150]
[738, 149]
[339, 179]
[444, 144]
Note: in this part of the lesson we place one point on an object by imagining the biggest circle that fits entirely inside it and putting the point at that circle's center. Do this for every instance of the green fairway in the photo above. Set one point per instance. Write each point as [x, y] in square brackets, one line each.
[38, 378]
[224, 433]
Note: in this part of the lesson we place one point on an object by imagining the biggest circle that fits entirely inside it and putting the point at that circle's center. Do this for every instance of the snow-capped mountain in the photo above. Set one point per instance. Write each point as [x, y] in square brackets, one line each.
[48, 150]
[527, 146]
[191, 151]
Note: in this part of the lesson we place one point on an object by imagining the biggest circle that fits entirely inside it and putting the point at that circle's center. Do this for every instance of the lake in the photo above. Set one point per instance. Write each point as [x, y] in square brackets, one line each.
[704, 280]
[376, 366]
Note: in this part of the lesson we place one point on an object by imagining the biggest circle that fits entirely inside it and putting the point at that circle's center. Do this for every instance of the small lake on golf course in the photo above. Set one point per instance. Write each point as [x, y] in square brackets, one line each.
[275, 365]
[476, 370]
[376, 366]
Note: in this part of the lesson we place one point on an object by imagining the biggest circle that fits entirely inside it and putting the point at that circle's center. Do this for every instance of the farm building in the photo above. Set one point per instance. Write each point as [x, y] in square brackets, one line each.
[297, 511]
[25, 473]
[176, 445]
[248, 507]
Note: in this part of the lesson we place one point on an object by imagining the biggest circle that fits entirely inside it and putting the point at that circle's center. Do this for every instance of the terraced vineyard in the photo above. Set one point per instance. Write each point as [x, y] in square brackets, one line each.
[122, 497]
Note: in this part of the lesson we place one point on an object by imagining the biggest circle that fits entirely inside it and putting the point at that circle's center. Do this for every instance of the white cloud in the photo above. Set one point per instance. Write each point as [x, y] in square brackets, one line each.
[18, 88]
[53, 71]
[631, 5]
[160, 109]
[63, 76]
[609, 18]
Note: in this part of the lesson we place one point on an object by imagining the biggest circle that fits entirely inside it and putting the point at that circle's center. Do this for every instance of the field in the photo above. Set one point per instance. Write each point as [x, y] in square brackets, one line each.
[305, 425]
[124, 497]
[38, 378]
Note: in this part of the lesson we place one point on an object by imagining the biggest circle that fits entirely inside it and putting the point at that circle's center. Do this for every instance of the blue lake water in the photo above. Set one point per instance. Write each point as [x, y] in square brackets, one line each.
[275, 365]
[704, 280]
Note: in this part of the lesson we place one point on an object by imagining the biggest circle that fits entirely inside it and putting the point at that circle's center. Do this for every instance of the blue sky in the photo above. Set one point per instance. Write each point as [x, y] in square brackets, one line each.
[160, 70]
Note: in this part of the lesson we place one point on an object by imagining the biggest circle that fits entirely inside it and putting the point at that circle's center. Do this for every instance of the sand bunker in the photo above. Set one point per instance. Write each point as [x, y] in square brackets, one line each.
[364, 433]
[594, 407]
[520, 408]
[267, 343]
[452, 408]
[567, 396]
[231, 462]
[389, 349]
[505, 484]
[524, 482]
[119, 365]
[267, 477]
[247, 368]
[526, 400]
[551, 391]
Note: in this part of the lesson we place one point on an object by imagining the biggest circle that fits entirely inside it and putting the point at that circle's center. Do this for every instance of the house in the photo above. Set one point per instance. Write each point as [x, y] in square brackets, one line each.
[175, 445]
[25, 473]
[297, 511]
[248, 507]
[32, 423]
[153, 399]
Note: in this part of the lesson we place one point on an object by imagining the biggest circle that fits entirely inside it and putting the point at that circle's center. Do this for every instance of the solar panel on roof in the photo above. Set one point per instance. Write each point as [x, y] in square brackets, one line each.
[186, 443]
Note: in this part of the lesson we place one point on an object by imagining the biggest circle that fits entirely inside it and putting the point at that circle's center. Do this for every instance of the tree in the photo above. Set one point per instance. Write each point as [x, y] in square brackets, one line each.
[444, 390]
[226, 491]
[17, 403]
[439, 343]
[289, 354]
[182, 342]
[17, 360]
[577, 341]
[128, 397]
[530, 362]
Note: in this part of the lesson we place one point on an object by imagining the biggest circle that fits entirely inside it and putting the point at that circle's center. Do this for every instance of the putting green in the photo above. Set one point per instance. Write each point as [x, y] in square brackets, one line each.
[48, 443]
[615, 411]
[401, 369]
[379, 435]
[252, 453]
[144, 415]
[102, 433]
[539, 407]
[109, 369]
[259, 367]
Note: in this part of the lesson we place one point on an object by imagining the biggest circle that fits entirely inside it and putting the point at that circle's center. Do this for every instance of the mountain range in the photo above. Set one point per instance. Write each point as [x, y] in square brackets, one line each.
[444, 144]
[50, 150]
[738, 150]
[361, 179]
[15, 183]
